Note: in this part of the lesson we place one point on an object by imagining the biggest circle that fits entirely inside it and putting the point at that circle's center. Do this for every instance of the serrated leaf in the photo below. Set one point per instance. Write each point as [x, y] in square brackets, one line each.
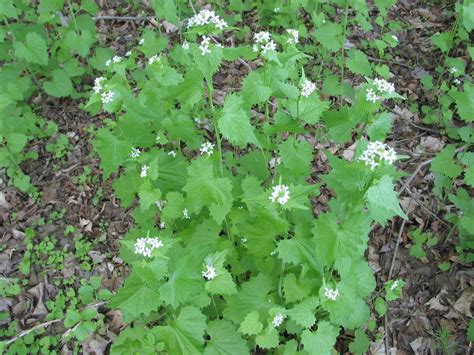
[379, 129]
[358, 63]
[380, 306]
[268, 339]
[234, 122]
[299, 251]
[296, 157]
[222, 284]
[361, 343]
[224, 339]
[34, 50]
[205, 189]
[7, 9]
[293, 289]
[251, 296]
[60, 86]
[255, 90]
[166, 9]
[135, 298]
[185, 335]
[382, 201]
[112, 151]
[16, 142]
[148, 195]
[308, 109]
[81, 43]
[340, 124]
[322, 341]
[444, 163]
[304, 312]
[330, 36]
[465, 103]
[469, 176]
[209, 63]
[251, 324]
[126, 187]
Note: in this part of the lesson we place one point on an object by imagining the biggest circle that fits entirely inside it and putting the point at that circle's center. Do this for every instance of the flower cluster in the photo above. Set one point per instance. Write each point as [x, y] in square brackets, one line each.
[331, 294]
[207, 148]
[145, 246]
[453, 70]
[277, 320]
[209, 273]
[98, 84]
[263, 42]
[116, 59]
[394, 285]
[154, 59]
[307, 88]
[280, 194]
[144, 171]
[204, 46]
[381, 87]
[141, 41]
[377, 152]
[135, 153]
[185, 45]
[172, 153]
[294, 36]
[207, 17]
[107, 97]
[186, 214]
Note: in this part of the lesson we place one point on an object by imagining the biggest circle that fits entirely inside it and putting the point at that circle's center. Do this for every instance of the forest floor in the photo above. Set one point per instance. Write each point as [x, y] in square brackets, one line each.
[79, 210]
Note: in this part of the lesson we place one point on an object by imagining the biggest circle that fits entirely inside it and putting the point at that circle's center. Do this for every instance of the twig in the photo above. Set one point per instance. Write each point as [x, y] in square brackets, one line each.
[389, 61]
[45, 324]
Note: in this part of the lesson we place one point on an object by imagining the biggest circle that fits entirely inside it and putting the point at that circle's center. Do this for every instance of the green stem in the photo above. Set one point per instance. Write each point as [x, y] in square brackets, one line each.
[210, 91]
[346, 12]
[73, 16]
[280, 282]
[12, 158]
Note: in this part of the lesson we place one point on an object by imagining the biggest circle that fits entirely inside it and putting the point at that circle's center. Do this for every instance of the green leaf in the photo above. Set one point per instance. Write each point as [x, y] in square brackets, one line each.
[309, 109]
[136, 297]
[234, 122]
[112, 151]
[470, 330]
[205, 189]
[361, 343]
[330, 36]
[251, 297]
[304, 312]
[299, 251]
[255, 90]
[126, 187]
[380, 306]
[268, 339]
[72, 318]
[208, 64]
[251, 324]
[322, 341]
[465, 103]
[296, 157]
[148, 195]
[185, 335]
[60, 86]
[16, 142]
[444, 163]
[222, 284]
[379, 129]
[442, 40]
[340, 124]
[81, 43]
[34, 50]
[358, 63]
[166, 9]
[7, 9]
[382, 201]
[294, 289]
[224, 339]
[469, 176]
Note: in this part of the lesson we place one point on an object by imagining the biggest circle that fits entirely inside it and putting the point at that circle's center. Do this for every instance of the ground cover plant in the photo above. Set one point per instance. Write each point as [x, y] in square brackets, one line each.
[249, 229]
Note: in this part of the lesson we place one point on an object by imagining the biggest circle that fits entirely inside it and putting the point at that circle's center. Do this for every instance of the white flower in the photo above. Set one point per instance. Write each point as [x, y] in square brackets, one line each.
[172, 153]
[141, 41]
[159, 204]
[280, 194]
[128, 54]
[135, 153]
[98, 84]
[207, 148]
[457, 81]
[145, 246]
[185, 45]
[108, 62]
[219, 45]
[384, 86]
[154, 59]
[453, 70]
[243, 240]
[157, 139]
[144, 171]
[395, 38]
[209, 273]
[262, 37]
[204, 47]
[294, 36]
[377, 152]
[186, 214]
[276, 9]
[207, 17]
[255, 48]
[371, 96]
[268, 47]
[331, 294]
[116, 59]
[394, 285]
[107, 97]
[162, 225]
[277, 320]
[307, 88]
